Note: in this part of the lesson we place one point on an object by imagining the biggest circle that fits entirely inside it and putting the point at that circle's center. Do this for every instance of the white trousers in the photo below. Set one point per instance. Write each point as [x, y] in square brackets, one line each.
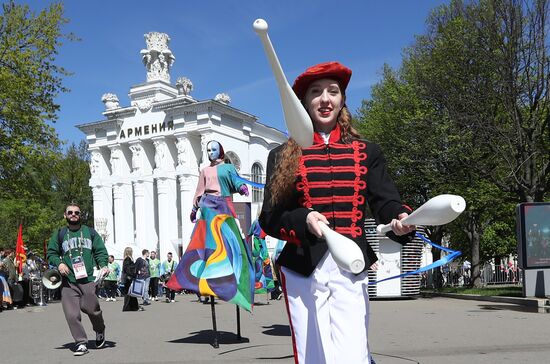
[328, 313]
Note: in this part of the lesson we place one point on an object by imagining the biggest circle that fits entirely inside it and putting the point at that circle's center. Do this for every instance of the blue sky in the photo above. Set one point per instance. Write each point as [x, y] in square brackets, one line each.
[216, 47]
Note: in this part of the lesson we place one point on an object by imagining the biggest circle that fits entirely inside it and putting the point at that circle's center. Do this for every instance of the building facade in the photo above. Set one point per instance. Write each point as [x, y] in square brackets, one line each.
[146, 157]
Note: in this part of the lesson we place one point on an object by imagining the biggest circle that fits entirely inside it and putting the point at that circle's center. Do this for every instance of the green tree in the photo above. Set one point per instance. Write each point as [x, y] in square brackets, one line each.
[417, 142]
[486, 64]
[41, 200]
[38, 222]
[29, 83]
[443, 121]
[70, 181]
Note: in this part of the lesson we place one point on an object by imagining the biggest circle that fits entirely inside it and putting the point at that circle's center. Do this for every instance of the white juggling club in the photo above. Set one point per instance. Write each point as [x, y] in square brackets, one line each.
[297, 120]
[438, 210]
[345, 252]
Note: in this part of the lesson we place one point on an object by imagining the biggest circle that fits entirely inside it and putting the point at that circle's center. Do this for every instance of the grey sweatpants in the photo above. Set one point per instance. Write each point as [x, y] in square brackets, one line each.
[77, 297]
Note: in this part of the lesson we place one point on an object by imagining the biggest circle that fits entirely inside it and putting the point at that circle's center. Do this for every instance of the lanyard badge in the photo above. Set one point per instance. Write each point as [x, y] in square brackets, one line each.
[79, 268]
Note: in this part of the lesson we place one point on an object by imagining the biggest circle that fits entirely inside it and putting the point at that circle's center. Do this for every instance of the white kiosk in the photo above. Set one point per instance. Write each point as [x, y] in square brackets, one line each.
[394, 259]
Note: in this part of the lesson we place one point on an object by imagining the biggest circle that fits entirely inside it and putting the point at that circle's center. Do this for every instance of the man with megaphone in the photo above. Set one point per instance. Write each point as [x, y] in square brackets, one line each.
[330, 182]
[75, 250]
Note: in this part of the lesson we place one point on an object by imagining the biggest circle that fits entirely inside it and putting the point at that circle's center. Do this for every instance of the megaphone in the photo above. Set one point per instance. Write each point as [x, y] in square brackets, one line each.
[51, 279]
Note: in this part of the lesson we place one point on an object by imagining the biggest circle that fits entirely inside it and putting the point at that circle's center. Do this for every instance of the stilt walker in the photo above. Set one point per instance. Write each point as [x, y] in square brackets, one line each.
[217, 262]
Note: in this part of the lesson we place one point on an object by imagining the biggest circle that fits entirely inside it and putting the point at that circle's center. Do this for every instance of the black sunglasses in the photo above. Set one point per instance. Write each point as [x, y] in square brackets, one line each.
[73, 212]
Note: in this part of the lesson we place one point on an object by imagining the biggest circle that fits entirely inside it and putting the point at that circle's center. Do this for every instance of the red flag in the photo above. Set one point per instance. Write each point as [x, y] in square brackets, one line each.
[20, 255]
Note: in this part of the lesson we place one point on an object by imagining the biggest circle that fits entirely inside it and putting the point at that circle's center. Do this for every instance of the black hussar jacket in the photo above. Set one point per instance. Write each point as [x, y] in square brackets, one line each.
[339, 181]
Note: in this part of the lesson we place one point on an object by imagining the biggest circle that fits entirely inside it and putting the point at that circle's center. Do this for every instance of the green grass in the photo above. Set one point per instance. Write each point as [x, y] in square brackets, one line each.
[508, 291]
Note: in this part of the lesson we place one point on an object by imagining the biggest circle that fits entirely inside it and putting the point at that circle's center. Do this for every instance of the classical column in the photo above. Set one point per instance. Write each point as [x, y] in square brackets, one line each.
[122, 198]
[146, 235]
[103, 212]
[188, 185]
[188, 172]
[167, 213]
[102, 193]
[124, 219]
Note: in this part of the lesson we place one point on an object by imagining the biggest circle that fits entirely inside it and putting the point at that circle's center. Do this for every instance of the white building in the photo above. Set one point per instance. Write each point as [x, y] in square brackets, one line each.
[146, 157]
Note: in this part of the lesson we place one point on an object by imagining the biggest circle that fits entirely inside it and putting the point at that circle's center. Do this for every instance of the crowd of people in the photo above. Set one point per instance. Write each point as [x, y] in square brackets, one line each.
[20, 289]
[97, 279]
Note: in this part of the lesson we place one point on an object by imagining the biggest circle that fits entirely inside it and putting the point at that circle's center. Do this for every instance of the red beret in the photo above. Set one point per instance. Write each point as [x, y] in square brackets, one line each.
[333, 70]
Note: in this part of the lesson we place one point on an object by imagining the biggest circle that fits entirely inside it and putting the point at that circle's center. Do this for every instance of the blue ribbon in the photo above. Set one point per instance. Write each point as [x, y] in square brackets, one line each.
[453, 254]
[445, 260]
[244, 180]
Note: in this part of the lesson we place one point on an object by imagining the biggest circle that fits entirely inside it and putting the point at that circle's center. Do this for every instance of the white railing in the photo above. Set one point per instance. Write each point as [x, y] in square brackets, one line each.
[458, 276]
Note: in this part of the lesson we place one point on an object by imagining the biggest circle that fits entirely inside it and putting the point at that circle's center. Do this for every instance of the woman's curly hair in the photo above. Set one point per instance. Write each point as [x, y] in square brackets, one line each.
[284, 175]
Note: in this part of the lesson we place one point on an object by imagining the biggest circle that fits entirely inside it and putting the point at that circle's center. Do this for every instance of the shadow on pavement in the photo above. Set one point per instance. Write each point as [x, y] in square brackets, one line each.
[207, 337]
[91, 345]
[277, 330]
[276, 357]
[509, 307]
[261, 303]
[259, 358]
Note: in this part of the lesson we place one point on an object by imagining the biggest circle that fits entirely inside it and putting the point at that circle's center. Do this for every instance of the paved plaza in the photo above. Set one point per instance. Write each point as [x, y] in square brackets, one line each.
[423, 330]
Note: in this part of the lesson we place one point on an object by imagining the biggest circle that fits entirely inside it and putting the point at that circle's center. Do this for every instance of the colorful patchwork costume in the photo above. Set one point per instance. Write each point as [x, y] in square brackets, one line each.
[217, 261]
[261, 260]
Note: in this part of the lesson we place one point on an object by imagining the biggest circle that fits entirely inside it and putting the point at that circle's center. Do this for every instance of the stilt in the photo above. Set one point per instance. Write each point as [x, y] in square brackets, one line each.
[238, 323]
[215, 344]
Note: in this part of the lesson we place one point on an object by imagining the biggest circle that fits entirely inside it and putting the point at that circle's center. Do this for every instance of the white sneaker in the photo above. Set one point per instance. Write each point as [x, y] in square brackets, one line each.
[173, 301]
[113, 299]
[81, 350]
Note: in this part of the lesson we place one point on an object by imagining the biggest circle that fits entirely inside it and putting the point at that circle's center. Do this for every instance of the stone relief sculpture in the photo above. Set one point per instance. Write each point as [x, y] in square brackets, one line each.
[94, 163]
[158, 159]
[157, 58]
[186, 156]
[223, 98]
[181, 145]
[184, 86]
[204, 141]
[161, 154]
[136, 156]
[144, 105]
[115, 161]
